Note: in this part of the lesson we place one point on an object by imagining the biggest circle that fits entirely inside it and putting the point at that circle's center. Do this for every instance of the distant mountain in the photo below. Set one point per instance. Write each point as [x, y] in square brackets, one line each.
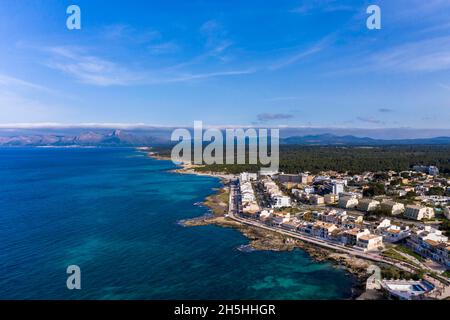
[330, 139]
[90, 138]
[111, 137]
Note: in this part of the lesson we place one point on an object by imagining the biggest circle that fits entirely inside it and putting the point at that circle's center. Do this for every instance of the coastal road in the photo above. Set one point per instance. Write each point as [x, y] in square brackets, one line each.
[234, 209]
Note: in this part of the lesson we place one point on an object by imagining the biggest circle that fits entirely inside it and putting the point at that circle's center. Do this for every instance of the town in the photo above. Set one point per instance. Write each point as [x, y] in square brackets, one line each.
[395, 218]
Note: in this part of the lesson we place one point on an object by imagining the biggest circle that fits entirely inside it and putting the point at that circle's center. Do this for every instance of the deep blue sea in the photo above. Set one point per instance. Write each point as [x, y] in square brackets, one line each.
[114, 213]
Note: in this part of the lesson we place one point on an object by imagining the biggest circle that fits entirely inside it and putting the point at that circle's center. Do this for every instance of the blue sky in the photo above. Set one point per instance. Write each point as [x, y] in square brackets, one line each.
[265, 63]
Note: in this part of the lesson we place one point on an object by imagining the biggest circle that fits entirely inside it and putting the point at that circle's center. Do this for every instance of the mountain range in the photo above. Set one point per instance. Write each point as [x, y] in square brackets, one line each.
[125, 138]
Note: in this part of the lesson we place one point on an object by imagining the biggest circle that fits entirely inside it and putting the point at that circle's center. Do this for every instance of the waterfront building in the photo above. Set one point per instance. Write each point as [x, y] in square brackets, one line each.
[430, 243]
[266, 215]
[395, 233]
[370, 242]
[323, 229]
[406, 289]
[350, 237]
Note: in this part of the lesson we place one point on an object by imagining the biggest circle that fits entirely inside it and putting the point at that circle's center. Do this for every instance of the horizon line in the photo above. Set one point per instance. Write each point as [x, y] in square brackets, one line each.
[130, 126]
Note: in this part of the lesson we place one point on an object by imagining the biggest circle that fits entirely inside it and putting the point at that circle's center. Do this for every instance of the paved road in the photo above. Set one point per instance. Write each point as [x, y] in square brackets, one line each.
[234, 209]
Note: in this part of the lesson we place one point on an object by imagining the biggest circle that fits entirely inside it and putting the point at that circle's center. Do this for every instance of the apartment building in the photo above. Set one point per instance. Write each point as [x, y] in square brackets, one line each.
[418, 213]
[370, 242]
[394, 208]
[368, 205]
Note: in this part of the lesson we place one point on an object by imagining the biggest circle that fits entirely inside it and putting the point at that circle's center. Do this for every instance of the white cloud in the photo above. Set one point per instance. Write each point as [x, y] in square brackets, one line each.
[90, 69]
[163, 48]
[302, 54]
[420, 56]
[8, 81]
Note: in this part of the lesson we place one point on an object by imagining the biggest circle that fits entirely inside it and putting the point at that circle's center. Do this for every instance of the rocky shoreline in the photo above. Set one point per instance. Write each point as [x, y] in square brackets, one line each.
[260, 239]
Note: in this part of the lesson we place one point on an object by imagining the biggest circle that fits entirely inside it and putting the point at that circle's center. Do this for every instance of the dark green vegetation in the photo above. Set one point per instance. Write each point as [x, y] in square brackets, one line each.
[296, 158]
[445, 227]
[389, 272]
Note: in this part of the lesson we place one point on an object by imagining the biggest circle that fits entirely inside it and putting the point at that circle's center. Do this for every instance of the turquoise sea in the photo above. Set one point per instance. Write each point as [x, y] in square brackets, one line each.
[114, 213]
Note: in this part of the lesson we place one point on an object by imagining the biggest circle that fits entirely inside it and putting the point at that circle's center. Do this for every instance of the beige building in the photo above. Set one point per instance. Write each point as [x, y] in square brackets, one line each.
[316, 200]
[392, 207]
[351, 237]
[418, 212]
[330, 198]
[370, 242]
[348, 203]
[368, 205]
[323, 229]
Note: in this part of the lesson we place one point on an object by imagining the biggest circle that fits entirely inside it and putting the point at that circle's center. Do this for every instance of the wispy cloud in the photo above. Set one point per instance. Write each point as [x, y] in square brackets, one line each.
[90, 69]
[16, 106]
[287, 98]
[445, 86]
[265, 117]
[302, 54]
[97, 71]
[385, 110]
[125, 32]
[163, 48]
[420, 56]
[200, 76]
[8, 81]
[310, 7]
[369, 120]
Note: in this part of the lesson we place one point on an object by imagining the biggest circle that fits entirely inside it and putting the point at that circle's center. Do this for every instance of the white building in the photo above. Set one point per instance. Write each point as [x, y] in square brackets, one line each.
[370, 242]
[348, 203]
[281, 202]
[418, 212]
[396, 233]
[309, 190]
[432, 170]
[247, 176]
[392, 207]
[323, 229]
[337, 188]
[266, 215]
[430, 243]
[350, 237]
[368, 205]
[350, 195]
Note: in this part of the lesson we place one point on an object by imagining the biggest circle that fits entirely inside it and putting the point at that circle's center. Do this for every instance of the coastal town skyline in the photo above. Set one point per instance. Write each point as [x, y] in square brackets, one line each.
[266, 64]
